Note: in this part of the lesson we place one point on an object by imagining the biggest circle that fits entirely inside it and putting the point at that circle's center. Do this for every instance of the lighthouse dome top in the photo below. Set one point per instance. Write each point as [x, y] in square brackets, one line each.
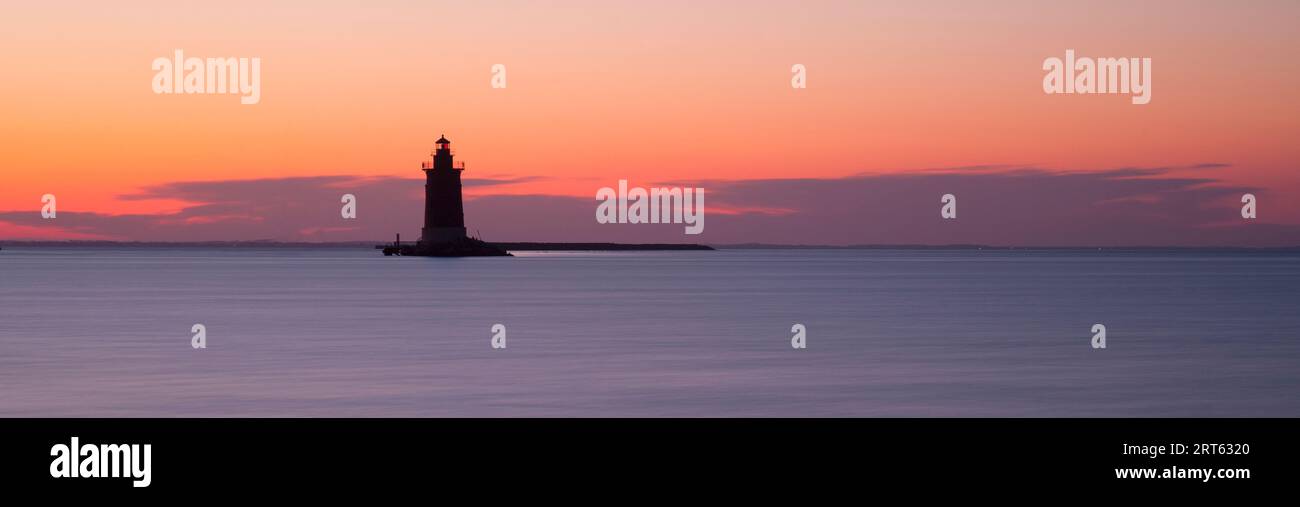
[442, 140]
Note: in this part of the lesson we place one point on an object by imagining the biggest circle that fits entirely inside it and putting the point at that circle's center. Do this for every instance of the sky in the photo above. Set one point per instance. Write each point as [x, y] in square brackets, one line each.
[905, 101]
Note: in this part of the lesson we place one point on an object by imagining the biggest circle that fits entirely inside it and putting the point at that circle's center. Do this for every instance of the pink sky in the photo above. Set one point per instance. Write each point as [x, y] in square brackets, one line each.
[655, 92]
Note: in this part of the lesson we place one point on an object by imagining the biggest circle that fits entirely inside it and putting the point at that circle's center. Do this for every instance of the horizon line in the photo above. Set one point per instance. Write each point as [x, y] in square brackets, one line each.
[719, 246]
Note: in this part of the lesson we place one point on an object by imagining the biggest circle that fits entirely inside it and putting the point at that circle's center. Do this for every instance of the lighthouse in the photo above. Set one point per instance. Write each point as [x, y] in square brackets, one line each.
[444, 212]
[443, 234]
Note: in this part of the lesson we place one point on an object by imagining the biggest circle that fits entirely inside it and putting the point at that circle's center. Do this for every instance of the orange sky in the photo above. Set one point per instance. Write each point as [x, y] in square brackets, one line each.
[644, 91]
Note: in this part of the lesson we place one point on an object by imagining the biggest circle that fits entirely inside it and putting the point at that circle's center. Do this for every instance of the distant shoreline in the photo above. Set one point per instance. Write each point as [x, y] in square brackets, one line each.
[765, 246]
[598, 246]
[519, 246]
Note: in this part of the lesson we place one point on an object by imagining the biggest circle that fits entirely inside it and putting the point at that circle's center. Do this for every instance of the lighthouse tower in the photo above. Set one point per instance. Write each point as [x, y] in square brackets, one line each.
[444, 213]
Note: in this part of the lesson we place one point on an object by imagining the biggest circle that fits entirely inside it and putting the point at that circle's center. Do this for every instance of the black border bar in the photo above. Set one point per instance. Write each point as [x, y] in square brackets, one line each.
[324, 456]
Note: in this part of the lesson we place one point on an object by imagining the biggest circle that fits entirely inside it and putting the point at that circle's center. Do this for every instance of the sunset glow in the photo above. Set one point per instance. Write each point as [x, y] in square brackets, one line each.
[664, 91]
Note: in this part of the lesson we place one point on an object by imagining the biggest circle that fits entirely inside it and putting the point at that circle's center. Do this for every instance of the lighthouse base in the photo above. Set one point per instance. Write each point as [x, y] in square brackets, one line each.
[442, 234]
[461, 247]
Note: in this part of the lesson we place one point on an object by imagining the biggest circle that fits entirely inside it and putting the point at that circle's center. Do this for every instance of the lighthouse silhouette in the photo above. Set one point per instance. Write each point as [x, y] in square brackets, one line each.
[443, 234]
[444, 212]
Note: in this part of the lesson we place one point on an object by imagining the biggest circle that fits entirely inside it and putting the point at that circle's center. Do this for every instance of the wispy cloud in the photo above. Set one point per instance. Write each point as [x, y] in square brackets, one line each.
[998, 205]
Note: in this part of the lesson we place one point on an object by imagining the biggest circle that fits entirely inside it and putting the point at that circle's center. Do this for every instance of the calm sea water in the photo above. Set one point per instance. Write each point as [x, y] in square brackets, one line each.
[339, 332]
